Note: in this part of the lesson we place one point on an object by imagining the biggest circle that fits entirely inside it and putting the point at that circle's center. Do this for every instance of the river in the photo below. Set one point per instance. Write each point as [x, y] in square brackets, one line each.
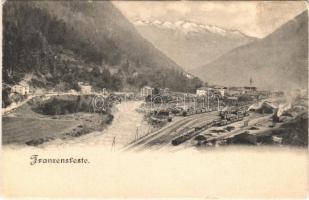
[127, 125]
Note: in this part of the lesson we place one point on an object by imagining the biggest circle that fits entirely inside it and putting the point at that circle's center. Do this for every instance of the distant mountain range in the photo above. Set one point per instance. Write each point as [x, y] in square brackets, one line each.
[190, 44]
[280, 60]
[58, 43]
[187, 26]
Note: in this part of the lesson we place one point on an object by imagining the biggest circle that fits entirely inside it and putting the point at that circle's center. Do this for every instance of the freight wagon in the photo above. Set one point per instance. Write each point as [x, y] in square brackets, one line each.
[227, 119]
[186, 136]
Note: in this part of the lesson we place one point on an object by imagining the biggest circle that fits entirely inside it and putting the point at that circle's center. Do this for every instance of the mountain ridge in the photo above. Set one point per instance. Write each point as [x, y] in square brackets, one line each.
[190, 44]
[278, 60]
[189, 26]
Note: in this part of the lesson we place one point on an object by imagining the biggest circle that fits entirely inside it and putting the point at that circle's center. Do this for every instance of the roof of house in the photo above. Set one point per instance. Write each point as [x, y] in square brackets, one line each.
[202, 88]
[249, 87]
[147, 87]
[236, 88]
[83, 84]
[219, 87]
[232, 98]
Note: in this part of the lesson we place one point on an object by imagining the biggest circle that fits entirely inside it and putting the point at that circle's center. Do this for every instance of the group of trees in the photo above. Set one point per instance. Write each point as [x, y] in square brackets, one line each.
[34, 38]
[174, 79]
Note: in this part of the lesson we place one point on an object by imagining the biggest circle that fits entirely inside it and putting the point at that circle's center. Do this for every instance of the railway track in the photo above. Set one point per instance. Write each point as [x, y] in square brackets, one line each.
[240, 129]
[167, 133]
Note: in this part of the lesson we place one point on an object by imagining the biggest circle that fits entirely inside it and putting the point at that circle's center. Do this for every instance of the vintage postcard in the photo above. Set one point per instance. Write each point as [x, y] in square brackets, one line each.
[154, 99]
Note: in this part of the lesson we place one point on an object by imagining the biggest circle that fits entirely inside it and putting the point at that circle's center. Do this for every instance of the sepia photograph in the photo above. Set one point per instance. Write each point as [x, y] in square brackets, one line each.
[197, 89]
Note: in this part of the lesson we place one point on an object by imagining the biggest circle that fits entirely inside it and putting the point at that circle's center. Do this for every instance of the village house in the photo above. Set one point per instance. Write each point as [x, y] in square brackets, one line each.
[85, 88]
[250, 89]
[264, 93]
[166, 91]
[236, 91]
[21, 88]
[189, 76]
[232, 100]
[146, 91]
[220, 90]
[202, 91]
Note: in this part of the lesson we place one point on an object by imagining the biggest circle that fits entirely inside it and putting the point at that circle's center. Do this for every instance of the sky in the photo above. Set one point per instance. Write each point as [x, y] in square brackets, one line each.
[256, 19]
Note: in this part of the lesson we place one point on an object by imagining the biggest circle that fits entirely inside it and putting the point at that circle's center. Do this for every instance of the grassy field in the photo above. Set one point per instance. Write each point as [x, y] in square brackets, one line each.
[20, 130]
[29, 125]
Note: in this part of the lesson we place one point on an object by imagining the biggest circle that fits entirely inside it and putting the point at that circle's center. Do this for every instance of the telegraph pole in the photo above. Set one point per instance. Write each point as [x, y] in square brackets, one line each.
[136, 134]
[208, 99]
[114, 144]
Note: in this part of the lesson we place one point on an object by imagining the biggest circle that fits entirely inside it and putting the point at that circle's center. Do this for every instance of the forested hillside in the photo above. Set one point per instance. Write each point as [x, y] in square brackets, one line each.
[57, 44]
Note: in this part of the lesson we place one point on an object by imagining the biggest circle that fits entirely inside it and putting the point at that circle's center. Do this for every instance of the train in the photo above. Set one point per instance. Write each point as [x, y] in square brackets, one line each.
[160, 116]
[186, 136]
[194, 131]
[226, 118]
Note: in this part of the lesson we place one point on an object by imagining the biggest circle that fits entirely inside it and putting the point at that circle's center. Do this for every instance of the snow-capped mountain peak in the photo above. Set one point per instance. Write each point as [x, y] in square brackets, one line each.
[187, 27]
